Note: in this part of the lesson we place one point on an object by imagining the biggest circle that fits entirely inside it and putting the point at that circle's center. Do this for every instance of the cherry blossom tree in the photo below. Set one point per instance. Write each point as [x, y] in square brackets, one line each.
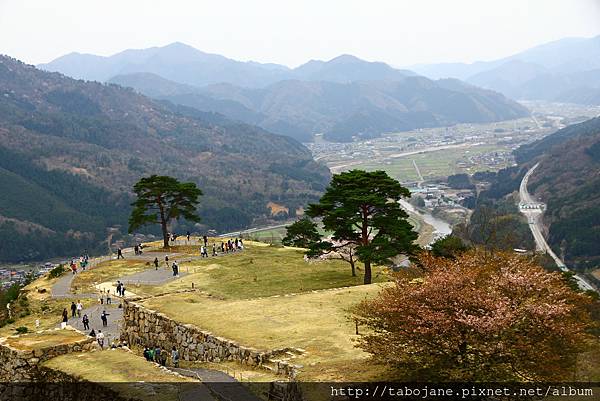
[477, 317]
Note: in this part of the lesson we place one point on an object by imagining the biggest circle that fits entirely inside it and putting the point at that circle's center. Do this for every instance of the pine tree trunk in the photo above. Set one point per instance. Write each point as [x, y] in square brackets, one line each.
[367, 272]
[165, 234]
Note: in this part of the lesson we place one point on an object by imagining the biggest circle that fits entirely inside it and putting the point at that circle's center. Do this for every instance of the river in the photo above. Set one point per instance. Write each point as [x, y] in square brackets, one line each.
[440, 227]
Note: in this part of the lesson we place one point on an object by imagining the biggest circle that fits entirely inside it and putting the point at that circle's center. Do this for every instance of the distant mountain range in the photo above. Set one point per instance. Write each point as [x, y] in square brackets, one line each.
[343, 98]
[70, 152]
[184, 64]
[566, 70]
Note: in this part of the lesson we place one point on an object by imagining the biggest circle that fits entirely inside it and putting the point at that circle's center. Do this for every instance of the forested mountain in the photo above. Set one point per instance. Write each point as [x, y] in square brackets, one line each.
[568, 181]
[341, 111]
[566, 70]
[71, 150]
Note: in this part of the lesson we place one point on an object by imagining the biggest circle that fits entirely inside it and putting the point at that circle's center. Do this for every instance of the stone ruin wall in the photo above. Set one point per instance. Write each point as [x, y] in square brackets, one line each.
[22, 365]
[148, 328]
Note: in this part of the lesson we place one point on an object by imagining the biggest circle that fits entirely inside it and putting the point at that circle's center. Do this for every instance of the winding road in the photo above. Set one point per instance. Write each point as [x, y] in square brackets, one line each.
[533, 211]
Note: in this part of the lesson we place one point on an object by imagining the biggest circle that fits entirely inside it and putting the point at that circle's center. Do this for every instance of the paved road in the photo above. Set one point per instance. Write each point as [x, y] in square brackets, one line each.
[533, 211]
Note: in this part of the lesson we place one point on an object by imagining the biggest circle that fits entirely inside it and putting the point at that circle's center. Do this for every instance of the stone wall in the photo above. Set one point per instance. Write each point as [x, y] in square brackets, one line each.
[22, 365]
[149, 328]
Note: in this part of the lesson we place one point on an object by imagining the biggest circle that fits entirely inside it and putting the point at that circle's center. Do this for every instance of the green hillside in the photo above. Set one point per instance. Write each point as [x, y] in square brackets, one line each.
[71, 150]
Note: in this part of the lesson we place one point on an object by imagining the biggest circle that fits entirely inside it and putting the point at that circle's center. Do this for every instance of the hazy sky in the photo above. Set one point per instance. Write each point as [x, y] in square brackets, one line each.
[400, 32]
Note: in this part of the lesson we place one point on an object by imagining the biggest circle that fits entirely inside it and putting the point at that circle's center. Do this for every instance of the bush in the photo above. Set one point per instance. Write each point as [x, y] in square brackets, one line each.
[57, 271]
[449, 246]
[21, 330]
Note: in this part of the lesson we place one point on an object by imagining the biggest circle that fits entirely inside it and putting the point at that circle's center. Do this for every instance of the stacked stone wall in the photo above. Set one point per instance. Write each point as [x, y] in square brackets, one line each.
[22, 364]
[149, 328]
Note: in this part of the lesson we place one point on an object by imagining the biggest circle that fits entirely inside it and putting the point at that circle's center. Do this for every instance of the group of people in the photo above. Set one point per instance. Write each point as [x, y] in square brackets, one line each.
[155, 354]
[74, 265]
[120, 288]
[76, 308]
[76, 311]
[137, 249]
[225, 247]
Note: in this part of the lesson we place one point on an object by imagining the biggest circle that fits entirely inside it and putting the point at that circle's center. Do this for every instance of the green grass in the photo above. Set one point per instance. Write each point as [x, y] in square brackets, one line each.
[274, 235]
[260, 270]
[317, 322]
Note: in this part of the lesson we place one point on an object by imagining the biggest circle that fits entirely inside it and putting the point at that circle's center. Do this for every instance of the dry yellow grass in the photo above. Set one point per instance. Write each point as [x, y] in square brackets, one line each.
[85, 281]
[120, 370]
[277, 208]
[46, 311]
[316, 322]
[36, 341]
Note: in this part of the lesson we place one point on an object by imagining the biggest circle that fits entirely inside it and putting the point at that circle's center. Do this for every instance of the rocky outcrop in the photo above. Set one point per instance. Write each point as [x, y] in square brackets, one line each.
[149, 328]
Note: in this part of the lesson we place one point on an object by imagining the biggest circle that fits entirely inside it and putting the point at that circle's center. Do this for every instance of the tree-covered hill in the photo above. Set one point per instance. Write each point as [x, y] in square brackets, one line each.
[70, 151]
[340, 110]
[568, 181]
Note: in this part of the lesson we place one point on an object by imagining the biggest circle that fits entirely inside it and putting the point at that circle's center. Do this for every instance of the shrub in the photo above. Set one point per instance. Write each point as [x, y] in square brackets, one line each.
[21, 330]
[57, 271]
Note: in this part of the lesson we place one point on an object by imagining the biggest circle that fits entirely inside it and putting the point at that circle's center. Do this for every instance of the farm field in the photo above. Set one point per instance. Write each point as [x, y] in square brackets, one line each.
[436, 164]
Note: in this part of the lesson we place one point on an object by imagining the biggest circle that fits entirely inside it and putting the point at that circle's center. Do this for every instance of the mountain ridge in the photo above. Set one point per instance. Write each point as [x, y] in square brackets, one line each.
[565, 70]
[341, 111]
[82, 145]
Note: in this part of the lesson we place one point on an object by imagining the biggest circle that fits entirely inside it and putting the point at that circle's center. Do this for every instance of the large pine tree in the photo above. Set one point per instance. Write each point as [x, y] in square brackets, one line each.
[161, 199]
[361, 208]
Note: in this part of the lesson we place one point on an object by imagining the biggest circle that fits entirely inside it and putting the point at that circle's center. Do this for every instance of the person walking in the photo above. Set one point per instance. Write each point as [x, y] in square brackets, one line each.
[104, 318]
[205, 239]
[155, 263]
[100, 339]
[175, 357]
[214, 253]
[167, 261]
[86, 322]
[108, 298]
[65, 316]
[120, 254]
[79, 308]
[73, 309]
[187, 234]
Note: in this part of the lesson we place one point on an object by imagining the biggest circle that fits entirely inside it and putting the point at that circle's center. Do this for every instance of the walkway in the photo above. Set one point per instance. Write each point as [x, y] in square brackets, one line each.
[115, 316]
[222, 385]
